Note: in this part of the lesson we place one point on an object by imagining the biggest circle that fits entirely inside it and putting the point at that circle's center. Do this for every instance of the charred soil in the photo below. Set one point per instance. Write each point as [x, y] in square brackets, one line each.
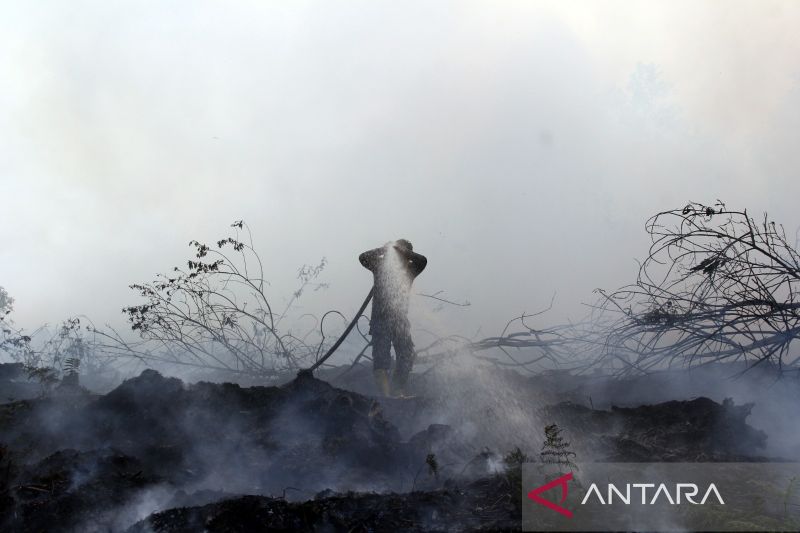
[157, 454]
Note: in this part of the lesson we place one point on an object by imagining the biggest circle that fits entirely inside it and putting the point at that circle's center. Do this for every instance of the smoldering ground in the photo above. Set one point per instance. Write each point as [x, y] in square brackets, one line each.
[82, 461]
[292, 441]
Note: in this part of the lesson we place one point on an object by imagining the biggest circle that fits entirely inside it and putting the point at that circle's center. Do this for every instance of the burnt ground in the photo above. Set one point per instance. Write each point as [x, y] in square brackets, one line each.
[481, 505]
[158, 454]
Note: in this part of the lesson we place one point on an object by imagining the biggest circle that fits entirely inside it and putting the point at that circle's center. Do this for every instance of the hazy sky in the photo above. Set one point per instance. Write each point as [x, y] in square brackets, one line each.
[519, 145]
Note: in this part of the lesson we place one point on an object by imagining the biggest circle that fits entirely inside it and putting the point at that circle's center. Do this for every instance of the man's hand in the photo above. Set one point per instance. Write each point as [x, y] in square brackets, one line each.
[404, 252]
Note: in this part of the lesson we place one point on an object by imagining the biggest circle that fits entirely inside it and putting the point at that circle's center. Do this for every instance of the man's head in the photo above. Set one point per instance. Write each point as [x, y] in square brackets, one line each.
[405, 244]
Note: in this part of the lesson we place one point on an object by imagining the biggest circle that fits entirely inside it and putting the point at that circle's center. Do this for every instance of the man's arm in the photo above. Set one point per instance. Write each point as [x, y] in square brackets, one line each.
[416, 262]
[371, 258]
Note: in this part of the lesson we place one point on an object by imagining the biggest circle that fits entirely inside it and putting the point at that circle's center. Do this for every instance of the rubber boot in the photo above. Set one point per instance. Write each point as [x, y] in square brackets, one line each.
[399, 386]
[382, 381]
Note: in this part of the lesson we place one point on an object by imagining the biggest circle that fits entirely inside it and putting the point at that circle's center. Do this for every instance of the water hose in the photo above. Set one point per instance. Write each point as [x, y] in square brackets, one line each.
[344, 335]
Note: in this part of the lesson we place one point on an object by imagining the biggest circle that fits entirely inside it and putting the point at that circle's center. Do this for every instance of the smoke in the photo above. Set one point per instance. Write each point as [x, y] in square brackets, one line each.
[514, 158]
[519, 146]
[774, 396]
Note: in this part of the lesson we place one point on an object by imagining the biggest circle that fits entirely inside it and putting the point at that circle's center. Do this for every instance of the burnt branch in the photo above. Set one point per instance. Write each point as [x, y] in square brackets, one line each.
[216, 313]
[717, 285]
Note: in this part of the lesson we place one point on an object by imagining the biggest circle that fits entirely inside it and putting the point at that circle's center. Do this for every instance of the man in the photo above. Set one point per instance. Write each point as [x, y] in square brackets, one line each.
[394, 267]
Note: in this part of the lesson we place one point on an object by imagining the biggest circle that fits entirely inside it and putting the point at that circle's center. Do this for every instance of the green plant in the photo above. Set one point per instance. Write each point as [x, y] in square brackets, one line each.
[433, 465]
[433, 469]
[513, 462]
[71, 371]
[555, 450]
[515, 458]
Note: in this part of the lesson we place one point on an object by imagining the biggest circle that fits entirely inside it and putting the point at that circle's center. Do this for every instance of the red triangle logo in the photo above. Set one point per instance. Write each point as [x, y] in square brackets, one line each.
[562, 482]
